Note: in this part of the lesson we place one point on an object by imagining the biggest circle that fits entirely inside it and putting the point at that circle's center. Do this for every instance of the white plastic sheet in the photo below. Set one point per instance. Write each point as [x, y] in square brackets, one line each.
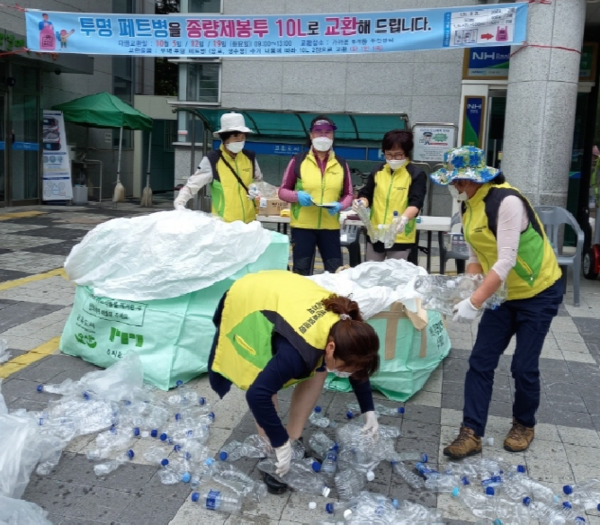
[375, 285]
[20, 512]
[163, 255]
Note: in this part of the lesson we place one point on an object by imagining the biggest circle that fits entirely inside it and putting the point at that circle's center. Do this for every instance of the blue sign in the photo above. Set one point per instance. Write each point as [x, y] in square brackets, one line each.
[488, 62]
[276, 35]
[22, 146]
[473, 121]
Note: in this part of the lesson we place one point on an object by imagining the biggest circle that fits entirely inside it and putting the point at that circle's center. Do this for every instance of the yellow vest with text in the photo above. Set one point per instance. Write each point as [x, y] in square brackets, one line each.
[323, 188]
[536, 268]
[265, 302]
[229, 198]
[390, 195]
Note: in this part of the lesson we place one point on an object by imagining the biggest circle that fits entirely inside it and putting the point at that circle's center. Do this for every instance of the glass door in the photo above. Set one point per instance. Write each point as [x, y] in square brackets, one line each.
[495, 138]
[24, 153]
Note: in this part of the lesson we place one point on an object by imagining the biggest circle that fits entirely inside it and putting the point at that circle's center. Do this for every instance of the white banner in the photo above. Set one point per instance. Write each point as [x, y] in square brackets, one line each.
[432, 141]
[57, 184]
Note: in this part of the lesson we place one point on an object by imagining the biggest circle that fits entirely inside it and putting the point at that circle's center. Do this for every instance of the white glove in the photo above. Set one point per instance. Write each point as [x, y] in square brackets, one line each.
[179, 205]
[253, 194]
[401, 224]
[355, 204]
[371, 425]
[465, 312]
[284, 458]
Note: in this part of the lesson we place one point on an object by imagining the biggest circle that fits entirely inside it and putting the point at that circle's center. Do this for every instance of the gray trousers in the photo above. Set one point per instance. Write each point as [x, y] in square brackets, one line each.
[372, 255]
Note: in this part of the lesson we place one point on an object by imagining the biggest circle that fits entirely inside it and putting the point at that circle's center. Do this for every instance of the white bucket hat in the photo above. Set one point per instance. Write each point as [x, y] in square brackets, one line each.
[232, 122]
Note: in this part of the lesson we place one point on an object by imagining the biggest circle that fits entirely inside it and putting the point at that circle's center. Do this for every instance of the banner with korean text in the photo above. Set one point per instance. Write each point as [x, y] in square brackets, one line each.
[252, 36]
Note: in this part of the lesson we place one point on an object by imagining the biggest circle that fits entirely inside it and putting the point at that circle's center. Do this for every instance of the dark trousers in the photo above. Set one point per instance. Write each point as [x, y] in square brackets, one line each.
[529, 320]
[304, 242]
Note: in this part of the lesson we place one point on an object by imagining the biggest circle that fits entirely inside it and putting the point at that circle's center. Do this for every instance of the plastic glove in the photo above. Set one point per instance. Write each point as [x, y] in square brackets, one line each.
[284, 458]
[304, 198]
[334, 210]
[465, 312]
[178, 205]
[371, 425]
[356, 203]
[401, 224]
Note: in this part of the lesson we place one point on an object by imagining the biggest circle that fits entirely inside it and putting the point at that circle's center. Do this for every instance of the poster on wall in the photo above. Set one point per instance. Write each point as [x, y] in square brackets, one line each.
[276, 35]
[57, 184]
[486, 63]
[474, 111]
[432, 141]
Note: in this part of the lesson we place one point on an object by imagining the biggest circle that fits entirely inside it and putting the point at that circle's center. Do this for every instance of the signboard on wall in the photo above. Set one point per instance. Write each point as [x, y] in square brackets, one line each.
[474, 112]
[56, 172]
[432, 141]
[276, 35]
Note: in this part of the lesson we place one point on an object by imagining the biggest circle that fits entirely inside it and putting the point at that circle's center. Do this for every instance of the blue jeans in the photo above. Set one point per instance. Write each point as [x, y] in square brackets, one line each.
[529, 320]
[304, 242]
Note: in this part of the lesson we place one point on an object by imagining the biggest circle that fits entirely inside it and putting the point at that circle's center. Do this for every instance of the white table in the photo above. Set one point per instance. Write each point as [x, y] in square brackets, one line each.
[425, 223]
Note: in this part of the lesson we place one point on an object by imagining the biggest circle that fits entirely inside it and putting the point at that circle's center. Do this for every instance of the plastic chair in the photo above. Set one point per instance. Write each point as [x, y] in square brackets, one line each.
[553, 217]
[457, 249]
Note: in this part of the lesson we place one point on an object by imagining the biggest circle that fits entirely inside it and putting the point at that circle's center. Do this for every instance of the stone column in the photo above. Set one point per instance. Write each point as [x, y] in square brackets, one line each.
[541, 100]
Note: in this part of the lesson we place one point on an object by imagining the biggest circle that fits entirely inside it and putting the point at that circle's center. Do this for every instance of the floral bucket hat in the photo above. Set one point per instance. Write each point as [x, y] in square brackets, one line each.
[466, 162]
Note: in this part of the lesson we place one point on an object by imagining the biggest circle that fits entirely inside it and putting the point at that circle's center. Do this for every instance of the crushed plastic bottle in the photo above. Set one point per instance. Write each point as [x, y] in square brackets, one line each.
[350, 482]
[103, 469]
[407, 475]
[254, 446]
[216, 500]
[320, 443]
[330, 462]
[364, 215]
[380, 410]
[302, 476]
[548, 513]
[235, 480]
[389, 237]
[586, 494]
[491, 507]
[318, 419]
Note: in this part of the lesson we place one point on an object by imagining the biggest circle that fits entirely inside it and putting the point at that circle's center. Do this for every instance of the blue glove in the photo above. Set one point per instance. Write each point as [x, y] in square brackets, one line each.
[304, 198]
[334, 210]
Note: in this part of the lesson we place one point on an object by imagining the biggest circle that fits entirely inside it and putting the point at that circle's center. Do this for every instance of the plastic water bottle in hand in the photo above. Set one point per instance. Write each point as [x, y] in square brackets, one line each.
[364, 216]
[390, 232]
[106, 468]
[216, 500]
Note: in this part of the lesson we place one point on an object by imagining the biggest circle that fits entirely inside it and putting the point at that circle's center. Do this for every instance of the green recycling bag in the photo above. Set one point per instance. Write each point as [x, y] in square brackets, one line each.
[173, 337]
[407, 356]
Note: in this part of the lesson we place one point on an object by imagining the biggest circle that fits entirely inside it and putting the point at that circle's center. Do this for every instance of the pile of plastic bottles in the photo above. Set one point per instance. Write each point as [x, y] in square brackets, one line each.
[443, 292]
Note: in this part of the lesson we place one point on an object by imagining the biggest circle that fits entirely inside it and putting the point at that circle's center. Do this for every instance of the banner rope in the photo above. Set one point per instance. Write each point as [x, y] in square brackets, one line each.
[541, 46]
[16, 6]
[22, 50]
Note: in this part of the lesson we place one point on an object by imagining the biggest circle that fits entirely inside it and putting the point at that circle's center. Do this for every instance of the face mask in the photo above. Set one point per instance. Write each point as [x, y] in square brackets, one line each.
[235, 147]
[456, 195]
[336, 372]
[396, 164]
[322, 143]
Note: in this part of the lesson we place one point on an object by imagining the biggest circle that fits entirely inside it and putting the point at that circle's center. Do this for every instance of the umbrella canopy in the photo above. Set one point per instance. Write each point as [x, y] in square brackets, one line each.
[104, 110]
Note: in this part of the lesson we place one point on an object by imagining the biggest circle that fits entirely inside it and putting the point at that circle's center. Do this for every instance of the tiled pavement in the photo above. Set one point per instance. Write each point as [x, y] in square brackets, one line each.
[567, 444]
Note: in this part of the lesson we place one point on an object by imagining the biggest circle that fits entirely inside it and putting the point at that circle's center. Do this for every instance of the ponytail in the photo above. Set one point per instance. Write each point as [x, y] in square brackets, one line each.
[343, 306]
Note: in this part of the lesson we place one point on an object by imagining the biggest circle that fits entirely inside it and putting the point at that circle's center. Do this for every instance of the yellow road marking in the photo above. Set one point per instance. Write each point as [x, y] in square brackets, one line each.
[20, 215]
[18, 363]
[32, 278]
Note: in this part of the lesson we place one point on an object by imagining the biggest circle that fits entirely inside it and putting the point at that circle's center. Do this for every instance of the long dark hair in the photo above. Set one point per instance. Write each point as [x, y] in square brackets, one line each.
[356, 342]
[498, 179]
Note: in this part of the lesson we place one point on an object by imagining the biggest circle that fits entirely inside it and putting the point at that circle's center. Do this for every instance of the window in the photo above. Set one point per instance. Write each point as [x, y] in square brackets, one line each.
[203, 82]
[204, 6]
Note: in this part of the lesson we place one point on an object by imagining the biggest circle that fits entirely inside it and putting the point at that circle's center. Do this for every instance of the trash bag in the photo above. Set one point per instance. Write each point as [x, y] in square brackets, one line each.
[20, 512]
[163, 255]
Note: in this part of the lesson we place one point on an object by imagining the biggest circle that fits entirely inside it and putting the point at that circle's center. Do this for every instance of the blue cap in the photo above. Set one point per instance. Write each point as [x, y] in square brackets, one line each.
[163, 436]
[598, 507]
[40, 388]
[567, 505]
[130, 454]
[395, 213]
[223, 455]
[424, 458]
[395, 503]
[497, 522]
[202, 401]
[527, 501]
[86, 396]
[349, 414]
[401, 410]
[521, 469]
[568, 489]
[329, 508]
[318, 409]
[179, 383]
[465, 480]
[211, 415]
[136, 431]
[316, 466]
[490, 491]
[185, 477]
[209, 461]
[455, 492]
[187, 456]
[177, 416]
[154, 432]
[579, 519]
[164, 462]
[177, 448]
[195, 496]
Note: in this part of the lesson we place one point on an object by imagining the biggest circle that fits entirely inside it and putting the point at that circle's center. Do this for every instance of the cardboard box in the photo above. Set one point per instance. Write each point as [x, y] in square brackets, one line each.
[271, 206]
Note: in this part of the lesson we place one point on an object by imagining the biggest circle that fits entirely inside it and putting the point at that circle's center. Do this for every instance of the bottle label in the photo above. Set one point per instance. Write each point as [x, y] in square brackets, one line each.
[211, 499]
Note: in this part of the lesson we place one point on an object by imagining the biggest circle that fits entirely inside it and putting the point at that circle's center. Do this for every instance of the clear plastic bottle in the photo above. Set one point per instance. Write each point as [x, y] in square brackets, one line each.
[330, 462]
[302, 476]
[183, 395]
[156, 454]
[320, 443]
[411, 456]
[390, 232]
[380, 410]
[103, 469]
[174, 471]
[235, 480]
[364, 216]
[445, 483]
[350, 482]
[341, 509]
[318, 419]
[586, 493]
[546, 513]
[254, 446]
[216, 500]
[407, 475]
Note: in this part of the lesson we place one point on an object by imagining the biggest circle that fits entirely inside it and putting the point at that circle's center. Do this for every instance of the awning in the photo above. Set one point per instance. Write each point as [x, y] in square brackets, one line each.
[295, 124]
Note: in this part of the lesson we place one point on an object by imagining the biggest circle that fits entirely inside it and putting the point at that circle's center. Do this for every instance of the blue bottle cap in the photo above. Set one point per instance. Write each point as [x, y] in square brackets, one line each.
[177, 417]
[130, 454]
[188, 456]
[598, 507]
[393, 462]
[154, 432]
[195, 497]
[177, 448]
[179, 383]
[185, 477]
[163, 436]
[136, 431]
[127, 402]
[202, 401]
[86, 396]
[527, 501]
[401, 410]
[497, 522]
[521, 469]
[316, 466]
[209, 461]
[211, 415]
[455, 492]
[164, 462]
[349, 414]
[40, 388]
[465, 480]
[490, 491]
[223, 456]
[568, 489]
[318, 409]
[329, 508]
[424, 458]
[567, 505]
[579, 519]
[395, 503]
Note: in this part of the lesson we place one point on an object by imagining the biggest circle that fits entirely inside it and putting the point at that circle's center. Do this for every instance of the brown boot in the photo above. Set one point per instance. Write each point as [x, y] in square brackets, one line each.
[466, 444]
[519, 437]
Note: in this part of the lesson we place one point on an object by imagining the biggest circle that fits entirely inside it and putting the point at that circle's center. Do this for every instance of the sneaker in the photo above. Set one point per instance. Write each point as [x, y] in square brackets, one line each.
[466, 444]
[519, 437]
[274, 486]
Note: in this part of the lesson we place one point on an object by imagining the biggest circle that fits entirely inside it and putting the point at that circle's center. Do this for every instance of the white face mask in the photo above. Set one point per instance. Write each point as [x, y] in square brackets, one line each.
[396, 164]
[456, 195]
[339, 374]
[322, 143]
[235, 147]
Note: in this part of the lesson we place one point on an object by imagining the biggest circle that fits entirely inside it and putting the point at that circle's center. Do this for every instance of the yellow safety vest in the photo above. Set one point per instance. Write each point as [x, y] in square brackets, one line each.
[390, 195]
[323, 188]
[536, 268]
[265, 302]
[229, 198]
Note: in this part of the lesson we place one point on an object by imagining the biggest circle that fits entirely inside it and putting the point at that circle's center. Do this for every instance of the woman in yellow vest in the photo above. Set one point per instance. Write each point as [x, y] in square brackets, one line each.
[230, 171]
[394, 186]
[318, 185]
[508, 245]
[276, 329]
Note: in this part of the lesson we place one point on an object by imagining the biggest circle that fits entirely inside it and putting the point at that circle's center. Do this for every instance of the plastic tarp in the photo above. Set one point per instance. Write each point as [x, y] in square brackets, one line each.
[164, 255]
